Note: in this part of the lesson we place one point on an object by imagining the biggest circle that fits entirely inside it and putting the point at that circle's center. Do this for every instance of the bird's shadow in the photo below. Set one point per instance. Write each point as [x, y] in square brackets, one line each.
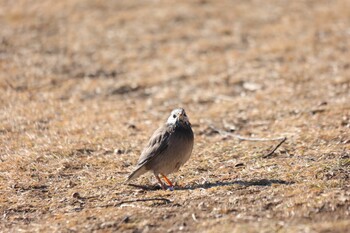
[260, 182]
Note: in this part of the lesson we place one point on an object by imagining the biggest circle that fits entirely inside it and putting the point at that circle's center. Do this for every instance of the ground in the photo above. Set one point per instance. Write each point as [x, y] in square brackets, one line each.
[83, 84]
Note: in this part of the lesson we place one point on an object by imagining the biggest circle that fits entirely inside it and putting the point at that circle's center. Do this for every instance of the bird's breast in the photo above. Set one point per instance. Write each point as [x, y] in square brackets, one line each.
[178, 151]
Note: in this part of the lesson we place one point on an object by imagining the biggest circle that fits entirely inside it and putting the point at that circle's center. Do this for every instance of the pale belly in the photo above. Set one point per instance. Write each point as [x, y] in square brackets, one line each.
[177, 154]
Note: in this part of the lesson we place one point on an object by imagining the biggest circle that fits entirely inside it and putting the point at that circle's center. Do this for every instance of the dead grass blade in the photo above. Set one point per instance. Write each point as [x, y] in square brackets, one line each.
[276, 147]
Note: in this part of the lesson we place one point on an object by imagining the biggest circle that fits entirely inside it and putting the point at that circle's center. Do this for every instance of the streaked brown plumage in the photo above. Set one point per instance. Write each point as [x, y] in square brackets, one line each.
[168, 149]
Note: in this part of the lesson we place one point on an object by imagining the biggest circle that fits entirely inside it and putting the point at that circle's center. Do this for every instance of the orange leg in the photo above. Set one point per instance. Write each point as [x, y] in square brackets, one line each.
[160, 182]
[168, 181]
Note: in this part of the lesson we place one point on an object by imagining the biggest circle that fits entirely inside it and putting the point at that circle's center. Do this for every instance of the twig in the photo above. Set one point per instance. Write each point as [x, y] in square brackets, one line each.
[225, 134]
[167, 201]
[258, 139]
[143, 187]
[144, 200]
[194, 217]
[276, 147]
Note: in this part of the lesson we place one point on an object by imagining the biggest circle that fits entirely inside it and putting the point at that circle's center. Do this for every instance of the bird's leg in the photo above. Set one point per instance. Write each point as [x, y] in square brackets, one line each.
[168, 181]
[160, 182]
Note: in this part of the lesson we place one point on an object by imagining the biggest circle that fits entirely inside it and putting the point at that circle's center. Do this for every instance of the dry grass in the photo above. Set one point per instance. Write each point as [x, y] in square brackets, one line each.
[83, 84]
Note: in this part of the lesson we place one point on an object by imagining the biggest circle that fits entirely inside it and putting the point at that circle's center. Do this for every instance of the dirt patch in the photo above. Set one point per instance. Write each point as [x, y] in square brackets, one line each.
[83, 84]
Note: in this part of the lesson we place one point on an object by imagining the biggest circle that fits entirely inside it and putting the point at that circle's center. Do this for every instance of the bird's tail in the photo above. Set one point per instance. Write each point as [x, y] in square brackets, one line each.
[138, 172]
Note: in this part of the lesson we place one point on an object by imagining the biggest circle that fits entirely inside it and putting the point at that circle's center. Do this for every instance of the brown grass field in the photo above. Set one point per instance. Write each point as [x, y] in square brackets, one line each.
[83, 85]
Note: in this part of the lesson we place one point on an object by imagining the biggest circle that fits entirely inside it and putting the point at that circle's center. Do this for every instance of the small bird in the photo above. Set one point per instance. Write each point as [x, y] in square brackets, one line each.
[168, 149]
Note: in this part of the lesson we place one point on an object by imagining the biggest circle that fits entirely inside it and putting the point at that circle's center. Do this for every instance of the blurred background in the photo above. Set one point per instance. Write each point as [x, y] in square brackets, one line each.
[83, 84]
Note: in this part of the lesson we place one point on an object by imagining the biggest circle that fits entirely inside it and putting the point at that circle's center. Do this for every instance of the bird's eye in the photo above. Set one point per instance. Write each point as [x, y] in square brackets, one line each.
[185, 115]
[174, 116]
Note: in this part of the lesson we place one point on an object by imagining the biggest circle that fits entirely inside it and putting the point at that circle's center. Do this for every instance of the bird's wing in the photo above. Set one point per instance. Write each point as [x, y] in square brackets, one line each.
[156, 145]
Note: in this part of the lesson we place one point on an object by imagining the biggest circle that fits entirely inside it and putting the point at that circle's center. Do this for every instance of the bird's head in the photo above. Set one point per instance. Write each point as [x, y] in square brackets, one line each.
[178, 116]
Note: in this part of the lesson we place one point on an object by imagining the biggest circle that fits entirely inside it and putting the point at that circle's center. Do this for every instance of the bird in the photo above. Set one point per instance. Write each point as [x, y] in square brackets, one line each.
[167, 150]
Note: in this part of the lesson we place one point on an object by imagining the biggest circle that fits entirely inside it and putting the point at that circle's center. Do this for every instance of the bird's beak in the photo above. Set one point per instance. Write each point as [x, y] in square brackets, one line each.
[181, 116]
